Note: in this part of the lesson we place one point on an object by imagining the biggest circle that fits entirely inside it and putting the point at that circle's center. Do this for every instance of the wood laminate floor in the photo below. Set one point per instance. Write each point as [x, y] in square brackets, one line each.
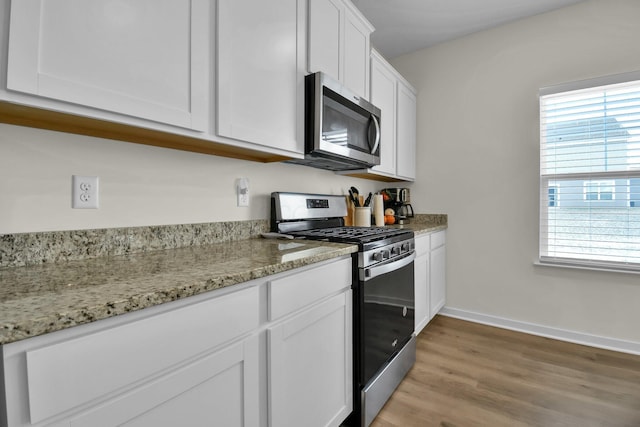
[467, 374]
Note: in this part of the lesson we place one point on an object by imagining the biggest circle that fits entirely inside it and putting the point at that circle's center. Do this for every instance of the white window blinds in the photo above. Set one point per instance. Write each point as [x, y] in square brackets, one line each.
[590, 173]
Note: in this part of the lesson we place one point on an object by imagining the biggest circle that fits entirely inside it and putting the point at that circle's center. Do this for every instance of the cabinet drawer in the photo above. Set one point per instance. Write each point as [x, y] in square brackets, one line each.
[68, 374]
[438, 239]
[298, 290]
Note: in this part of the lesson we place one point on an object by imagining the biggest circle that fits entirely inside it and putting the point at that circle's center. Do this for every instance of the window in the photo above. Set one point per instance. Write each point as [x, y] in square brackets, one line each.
[553, 193]
[590, 173]
[599, 190]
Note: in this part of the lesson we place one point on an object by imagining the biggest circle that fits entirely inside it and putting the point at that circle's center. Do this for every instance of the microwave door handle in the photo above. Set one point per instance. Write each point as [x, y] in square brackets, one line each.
[377, 139]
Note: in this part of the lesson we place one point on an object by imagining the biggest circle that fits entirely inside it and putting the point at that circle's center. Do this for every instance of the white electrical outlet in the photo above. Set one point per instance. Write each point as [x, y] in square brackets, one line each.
[84, 192]
[242, 188]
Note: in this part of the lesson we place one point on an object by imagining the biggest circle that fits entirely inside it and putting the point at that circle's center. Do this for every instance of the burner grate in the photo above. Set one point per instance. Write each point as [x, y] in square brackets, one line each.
[349, 234]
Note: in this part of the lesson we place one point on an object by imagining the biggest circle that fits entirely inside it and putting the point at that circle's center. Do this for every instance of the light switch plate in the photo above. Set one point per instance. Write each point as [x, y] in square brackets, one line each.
[242, 189]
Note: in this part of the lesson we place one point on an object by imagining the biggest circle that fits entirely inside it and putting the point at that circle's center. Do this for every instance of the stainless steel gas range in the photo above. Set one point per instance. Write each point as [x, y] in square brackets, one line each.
[384, 345]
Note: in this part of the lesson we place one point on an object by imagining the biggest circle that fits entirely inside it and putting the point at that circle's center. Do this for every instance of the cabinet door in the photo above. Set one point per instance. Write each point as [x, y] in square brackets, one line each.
[437, 279]
[93, 365]
[310, 366]
[339, 44]
[422, 305]
[356, 54]
[219, 389]
[144, 58]
[260, 72]
[406, 132]
[326, 32]
[383, 96]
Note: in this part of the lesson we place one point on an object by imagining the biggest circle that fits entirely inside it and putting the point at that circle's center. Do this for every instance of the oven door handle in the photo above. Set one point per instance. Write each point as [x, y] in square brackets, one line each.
[375, 271]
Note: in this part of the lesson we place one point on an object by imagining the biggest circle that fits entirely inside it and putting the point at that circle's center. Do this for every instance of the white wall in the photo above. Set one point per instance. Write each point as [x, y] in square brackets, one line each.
[478, 136]
[139, 185]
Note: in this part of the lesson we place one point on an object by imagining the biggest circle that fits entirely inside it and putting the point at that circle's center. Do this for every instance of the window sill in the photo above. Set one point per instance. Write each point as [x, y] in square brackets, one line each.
[584, 267]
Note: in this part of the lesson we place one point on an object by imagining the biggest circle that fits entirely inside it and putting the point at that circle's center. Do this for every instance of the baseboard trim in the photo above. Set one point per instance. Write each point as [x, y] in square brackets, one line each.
[623, 346]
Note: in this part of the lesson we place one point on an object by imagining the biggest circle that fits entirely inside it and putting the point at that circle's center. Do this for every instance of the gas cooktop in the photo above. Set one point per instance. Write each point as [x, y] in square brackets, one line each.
[351, 234]
[321, 217]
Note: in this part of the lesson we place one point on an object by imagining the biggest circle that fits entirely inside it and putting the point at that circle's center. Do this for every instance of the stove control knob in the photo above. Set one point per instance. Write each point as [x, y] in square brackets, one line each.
[395, 250]
[386, 254]
[405, 247]
[378, 256]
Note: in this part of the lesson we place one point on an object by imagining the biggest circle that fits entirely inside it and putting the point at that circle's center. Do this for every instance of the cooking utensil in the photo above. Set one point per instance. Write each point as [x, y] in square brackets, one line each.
[354, 197]
[368, 200]
[355, 191]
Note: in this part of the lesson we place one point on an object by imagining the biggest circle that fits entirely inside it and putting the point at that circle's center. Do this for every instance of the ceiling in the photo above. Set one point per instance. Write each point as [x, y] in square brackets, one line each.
[404, 26]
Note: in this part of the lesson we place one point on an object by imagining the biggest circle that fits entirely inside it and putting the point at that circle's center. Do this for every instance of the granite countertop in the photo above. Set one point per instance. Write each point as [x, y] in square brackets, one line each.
[420, 228]
[43, 298]
[55, 280]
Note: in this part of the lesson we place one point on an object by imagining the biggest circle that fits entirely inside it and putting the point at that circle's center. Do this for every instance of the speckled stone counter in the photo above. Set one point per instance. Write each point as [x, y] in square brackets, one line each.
[54, 280]
[54, 246]
[425, 223]
[47, 297]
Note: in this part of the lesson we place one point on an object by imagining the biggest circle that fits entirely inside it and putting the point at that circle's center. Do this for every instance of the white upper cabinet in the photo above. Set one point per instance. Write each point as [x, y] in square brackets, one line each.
[143, 58]
[338, 40]
[406, 132]
[357, 49]
[325, 35]
[397, 102]
[383, 96]
[260, 72]
[220, 77]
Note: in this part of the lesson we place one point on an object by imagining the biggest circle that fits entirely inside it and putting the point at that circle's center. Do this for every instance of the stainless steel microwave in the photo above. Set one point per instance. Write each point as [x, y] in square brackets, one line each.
[342, 130]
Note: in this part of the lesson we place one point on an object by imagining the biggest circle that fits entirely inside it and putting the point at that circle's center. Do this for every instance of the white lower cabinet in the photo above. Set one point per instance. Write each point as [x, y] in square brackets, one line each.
[421, 290]
[310, 360]
[141, 369]
[310, 347]
[430, 281]
[437, 273]
[213, 359]
[222, 386]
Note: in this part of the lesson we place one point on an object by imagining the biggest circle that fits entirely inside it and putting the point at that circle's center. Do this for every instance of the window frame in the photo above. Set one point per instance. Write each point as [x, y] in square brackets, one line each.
[549, 182]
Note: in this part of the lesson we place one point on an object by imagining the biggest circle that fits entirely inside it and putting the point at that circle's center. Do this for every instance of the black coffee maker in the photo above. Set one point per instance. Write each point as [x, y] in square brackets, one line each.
[398, 199]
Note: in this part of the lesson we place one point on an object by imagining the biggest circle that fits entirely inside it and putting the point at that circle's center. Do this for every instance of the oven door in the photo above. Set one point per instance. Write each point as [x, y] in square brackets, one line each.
[387, 312]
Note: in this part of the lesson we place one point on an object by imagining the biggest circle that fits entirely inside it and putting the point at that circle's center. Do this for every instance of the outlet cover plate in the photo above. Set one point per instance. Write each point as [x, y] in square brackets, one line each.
[84, 192]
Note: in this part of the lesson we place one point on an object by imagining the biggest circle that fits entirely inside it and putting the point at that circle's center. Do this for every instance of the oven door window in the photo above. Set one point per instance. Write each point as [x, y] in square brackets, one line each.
[388, 316]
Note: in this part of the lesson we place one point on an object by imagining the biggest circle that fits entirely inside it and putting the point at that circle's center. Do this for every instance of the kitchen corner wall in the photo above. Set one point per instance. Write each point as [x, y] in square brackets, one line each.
[478, 160]
[139, 185]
